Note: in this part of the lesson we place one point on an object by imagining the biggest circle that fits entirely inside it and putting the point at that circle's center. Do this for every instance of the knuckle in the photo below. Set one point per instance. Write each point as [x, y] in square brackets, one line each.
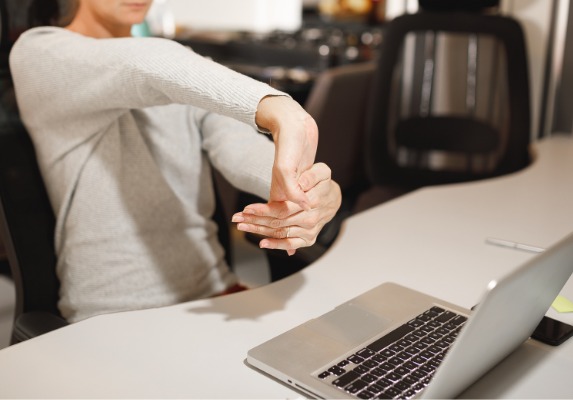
[311, 220]
[255, 229]
[326, 169]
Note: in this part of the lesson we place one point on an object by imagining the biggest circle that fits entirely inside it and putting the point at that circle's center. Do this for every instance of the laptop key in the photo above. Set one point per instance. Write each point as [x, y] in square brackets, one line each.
[384, 382]
[375, 388]
[366, 394]
[387, 366]
[393, 376]
[390, 338]
[410, 365]
[361, 369]
[402, 386]
[392, 392]
[401, 371]
[419, 374]
[410, 380]
[324, 375]
[343, 363]
[356, 386]
[365, 353]
[336, 370]
[387, 353]
[355, 359]
[345, 379]
[379, 358]
[446, 316]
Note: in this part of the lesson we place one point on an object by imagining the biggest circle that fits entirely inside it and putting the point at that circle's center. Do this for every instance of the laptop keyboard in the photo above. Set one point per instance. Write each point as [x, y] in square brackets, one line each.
[401, 363]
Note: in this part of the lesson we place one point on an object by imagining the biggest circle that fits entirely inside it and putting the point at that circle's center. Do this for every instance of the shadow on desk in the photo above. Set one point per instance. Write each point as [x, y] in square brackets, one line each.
[271, 298]
[515, 369]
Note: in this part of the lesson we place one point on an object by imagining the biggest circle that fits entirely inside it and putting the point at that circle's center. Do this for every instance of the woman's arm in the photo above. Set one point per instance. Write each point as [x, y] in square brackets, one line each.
[86, 84]
[91, 76]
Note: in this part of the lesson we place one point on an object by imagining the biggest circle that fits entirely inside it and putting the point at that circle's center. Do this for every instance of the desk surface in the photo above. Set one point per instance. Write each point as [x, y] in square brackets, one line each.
[197, 349]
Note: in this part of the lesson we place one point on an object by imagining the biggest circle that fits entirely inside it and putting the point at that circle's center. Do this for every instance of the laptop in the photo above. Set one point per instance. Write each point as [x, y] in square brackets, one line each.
[394, 342]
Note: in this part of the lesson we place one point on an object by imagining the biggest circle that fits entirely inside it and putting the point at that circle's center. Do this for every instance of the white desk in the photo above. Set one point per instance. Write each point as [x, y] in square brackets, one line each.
[197, 349]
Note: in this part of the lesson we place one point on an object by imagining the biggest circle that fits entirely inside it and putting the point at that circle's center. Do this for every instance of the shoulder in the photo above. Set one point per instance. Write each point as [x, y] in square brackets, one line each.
[35, 36]
[38, 43]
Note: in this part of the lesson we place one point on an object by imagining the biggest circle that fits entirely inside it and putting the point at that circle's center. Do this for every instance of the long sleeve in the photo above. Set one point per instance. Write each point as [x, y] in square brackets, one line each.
[229, 144]
[96, 77]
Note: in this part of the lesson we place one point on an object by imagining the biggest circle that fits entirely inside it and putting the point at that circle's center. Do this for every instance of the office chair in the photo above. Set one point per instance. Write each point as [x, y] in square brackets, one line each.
[27, 230]
[26, 218]
[4, 267]
[440, 115]
[338, 102]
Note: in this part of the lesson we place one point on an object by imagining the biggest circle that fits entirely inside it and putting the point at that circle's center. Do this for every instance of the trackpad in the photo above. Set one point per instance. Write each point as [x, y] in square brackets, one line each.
[349, 324]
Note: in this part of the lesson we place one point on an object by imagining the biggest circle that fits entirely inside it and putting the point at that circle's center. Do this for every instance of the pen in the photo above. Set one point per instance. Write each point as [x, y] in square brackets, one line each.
[514, 245]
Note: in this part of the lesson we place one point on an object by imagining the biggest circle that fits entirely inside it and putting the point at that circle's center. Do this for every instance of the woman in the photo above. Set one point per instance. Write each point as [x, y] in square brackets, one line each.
[126, 131]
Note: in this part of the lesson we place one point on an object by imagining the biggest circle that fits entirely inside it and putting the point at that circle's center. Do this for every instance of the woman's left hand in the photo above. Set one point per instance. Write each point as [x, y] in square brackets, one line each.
[285, 224]
[295, 135]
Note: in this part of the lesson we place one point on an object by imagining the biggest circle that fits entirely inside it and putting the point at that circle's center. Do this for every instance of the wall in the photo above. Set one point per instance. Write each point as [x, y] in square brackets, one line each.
[241, 15]
[535, 18]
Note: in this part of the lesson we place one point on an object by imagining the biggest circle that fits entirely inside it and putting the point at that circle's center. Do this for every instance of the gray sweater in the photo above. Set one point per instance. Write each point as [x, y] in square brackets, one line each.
[126, 132]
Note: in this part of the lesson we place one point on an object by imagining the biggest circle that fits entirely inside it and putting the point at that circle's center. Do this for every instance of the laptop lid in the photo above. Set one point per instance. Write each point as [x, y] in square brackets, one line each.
[506, 316]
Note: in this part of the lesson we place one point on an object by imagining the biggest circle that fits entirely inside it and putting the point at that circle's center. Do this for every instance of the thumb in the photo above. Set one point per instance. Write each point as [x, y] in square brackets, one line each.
[291, 192]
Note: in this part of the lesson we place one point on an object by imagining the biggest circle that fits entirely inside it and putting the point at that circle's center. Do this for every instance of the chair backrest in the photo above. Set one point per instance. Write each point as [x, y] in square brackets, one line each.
[450, 100]
[338, 101]
[26, 223]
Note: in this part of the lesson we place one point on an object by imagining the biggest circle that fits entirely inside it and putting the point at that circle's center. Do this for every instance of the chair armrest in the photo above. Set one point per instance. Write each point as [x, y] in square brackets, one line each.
[35, 323]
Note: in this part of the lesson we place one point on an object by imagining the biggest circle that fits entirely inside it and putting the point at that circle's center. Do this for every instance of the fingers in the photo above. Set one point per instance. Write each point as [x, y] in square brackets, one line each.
[273, 209]
[286, 187]
[283, 224]
[298, 192]
[318, 173]
[291, 192]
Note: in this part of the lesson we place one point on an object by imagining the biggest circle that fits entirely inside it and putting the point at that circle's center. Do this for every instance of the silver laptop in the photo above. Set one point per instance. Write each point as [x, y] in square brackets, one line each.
[394, 342]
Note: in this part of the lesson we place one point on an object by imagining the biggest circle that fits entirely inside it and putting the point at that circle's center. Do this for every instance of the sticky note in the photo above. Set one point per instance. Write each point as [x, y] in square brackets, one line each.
[562, 304]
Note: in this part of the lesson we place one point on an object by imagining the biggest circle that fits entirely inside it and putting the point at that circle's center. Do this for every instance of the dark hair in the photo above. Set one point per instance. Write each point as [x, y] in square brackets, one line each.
[43, 12]
[51, 12]
[68, 9]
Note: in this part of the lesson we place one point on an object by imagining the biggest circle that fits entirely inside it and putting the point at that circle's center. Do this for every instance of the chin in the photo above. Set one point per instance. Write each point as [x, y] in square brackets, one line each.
[135, 20]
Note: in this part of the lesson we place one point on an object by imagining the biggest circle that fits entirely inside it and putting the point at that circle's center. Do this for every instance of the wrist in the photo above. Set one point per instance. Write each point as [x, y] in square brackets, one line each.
[275, 111]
